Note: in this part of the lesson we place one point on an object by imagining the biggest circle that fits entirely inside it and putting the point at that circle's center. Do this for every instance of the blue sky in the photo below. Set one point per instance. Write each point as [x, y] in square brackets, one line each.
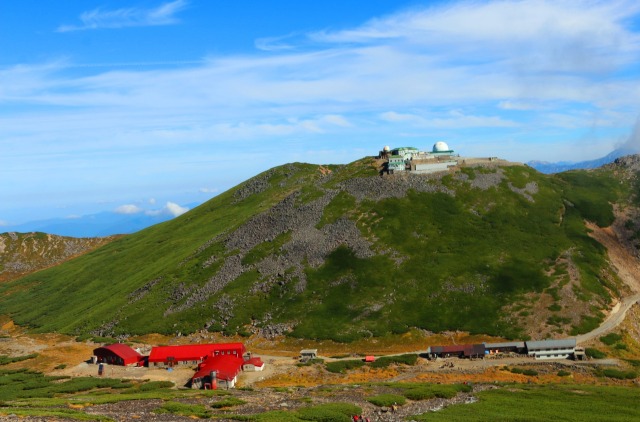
[149, 106]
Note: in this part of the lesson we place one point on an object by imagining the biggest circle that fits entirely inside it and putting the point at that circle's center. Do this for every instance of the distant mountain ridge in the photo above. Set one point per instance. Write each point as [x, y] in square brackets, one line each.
[549, 168]
[342, 252]
[25, 253]
[101, 224]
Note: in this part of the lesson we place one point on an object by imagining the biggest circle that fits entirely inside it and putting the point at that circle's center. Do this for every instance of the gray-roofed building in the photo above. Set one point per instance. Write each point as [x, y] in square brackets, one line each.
[308, 354]
[552, 349]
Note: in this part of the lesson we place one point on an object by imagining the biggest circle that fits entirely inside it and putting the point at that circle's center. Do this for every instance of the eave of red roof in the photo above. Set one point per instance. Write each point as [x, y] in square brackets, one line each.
[195, 352]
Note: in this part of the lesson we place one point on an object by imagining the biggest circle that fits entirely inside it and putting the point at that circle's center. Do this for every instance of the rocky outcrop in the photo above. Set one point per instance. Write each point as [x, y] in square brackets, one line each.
[24, 253]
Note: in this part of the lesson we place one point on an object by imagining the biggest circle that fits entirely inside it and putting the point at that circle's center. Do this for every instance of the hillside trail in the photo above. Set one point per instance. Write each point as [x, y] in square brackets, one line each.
[628, 269]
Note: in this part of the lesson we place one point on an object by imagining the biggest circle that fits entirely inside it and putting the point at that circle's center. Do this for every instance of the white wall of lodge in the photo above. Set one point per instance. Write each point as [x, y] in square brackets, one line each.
[251, 367]
[553, 353]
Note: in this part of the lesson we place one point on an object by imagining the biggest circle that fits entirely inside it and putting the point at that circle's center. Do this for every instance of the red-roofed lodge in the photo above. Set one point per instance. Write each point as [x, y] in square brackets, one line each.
[118, 354]
[225, 369]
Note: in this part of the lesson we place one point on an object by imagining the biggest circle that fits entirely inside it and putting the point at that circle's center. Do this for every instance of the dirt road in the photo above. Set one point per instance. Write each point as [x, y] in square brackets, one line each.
[628, 268]
[614, 319]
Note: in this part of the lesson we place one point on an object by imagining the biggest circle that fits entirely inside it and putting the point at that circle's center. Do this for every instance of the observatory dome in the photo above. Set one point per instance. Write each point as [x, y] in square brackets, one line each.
[440, 147]
[386, 148]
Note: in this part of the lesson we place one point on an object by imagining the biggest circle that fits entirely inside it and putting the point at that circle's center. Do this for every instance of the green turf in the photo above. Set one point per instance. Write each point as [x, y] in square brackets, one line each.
[526, 403]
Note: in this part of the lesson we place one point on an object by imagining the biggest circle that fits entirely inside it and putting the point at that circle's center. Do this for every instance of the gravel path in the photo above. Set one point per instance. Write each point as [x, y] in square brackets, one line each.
[628, 269]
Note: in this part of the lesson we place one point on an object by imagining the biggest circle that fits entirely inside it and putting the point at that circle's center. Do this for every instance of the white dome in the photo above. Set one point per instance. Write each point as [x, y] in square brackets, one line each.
[386, 148]
[440, 147]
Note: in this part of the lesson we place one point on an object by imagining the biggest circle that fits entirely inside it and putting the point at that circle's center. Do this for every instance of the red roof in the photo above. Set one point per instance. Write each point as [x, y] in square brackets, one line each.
[226, 367]
[254, 361]
[126, 353]
[195, 352]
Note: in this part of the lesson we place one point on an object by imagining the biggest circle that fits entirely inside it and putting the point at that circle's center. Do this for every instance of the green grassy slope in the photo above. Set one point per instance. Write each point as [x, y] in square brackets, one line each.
[340, 255]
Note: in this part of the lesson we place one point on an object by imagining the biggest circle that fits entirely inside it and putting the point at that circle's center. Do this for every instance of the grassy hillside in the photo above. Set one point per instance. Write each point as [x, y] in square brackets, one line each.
[341, 252]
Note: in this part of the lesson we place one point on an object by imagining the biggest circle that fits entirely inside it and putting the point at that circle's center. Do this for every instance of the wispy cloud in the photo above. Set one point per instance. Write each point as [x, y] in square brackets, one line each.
[280, 43]
[209, 190]
[452, 119]
[128, 209]
[165, 14]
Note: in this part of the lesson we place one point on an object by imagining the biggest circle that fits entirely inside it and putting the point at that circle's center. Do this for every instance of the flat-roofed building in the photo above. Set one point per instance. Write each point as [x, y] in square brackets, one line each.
[552, 349]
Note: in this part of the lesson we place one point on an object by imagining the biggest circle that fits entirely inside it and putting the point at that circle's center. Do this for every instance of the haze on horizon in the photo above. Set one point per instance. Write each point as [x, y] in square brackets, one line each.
[147, 106]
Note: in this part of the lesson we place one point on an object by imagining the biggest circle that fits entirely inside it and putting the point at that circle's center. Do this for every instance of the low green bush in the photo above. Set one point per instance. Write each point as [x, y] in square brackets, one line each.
[383, 362]
[430, 391]
[387, 400]
[633, 362]
[183, 409]
[528, 372]
[227, 402]
[311, 362]
[610, 339]
[271, 416]
[5, 360]
[555, 308]
[594, 353]
[155, 385]
[329, 412]
[563, 373]
[342, 366]
[618, 374]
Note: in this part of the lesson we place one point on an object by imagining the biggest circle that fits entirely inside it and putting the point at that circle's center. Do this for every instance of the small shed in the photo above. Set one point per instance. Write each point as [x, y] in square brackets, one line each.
[118, 354]
[253, 364]
[308, 354]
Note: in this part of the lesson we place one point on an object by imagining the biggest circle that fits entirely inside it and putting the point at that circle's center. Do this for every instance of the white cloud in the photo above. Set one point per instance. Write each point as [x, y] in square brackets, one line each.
[336, 120]
[127, 17]
[170, 208]
[128, 209]
[209, 190]
[175, 209]
[633, 140]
